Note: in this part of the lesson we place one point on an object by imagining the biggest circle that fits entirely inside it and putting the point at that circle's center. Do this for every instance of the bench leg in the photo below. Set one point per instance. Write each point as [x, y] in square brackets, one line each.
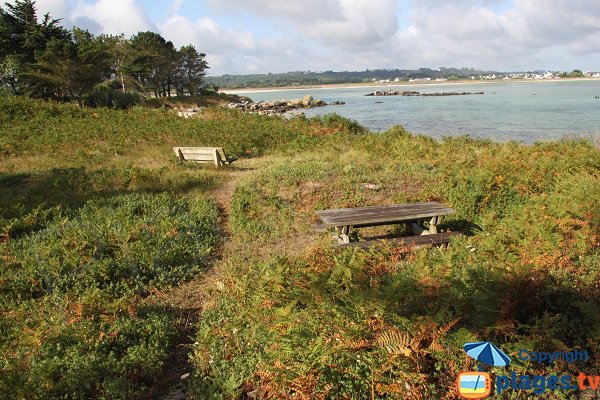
[343, 234]
[217, 158]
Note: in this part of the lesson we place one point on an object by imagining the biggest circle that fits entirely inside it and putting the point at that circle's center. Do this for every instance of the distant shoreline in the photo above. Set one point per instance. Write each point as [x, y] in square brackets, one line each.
[398, 84]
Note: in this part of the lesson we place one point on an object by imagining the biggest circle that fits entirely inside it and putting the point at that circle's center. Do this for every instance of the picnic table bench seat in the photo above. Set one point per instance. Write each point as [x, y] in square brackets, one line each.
[214, 155]
[417, 241]
[344, 220]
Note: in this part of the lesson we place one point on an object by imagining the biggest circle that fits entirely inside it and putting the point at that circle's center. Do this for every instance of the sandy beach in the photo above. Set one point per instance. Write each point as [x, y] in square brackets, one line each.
[399, 84]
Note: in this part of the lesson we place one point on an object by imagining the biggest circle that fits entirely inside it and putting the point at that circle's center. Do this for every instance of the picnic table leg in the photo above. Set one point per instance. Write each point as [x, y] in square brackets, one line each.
[435, 221]
[433, 225]
[343, 234]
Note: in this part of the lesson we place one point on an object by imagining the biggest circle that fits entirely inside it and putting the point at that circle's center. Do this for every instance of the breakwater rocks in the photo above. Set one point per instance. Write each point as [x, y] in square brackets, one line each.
[415, 93]
[279, 106]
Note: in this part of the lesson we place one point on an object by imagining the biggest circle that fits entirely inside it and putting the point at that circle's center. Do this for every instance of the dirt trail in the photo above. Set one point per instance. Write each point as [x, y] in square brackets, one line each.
[185, 302]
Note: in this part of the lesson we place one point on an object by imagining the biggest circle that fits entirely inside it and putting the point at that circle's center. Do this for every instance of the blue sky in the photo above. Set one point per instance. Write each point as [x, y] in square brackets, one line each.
[257, 36]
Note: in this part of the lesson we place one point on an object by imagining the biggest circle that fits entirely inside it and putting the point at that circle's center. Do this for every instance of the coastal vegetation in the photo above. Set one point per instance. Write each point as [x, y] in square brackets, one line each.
[114, 258]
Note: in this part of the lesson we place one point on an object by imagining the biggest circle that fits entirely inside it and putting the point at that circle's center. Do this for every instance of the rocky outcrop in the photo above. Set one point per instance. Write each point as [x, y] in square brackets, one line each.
[415, 93]
[450, 94]
[279, 106]
[189, 112]
[394, 93]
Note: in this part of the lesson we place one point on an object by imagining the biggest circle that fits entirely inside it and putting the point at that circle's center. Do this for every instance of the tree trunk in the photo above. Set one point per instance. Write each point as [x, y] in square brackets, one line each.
[13, 86]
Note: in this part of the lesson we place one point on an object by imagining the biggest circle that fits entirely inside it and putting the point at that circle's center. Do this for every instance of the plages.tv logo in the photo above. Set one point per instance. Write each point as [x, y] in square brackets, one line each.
[474, 385]
[478, 385]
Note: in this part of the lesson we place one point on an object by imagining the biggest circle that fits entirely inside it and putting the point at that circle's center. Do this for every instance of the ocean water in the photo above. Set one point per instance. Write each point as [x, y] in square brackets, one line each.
[521, 111]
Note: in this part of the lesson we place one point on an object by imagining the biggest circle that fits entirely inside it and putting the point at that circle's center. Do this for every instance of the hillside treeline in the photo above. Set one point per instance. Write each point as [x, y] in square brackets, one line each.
[300, 78]
[42, 59]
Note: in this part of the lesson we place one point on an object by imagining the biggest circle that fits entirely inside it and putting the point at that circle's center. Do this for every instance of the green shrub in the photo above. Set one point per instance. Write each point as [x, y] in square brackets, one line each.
[73, 320]
[90, 347]
[345, 124]
[106, 96]
[122, 244]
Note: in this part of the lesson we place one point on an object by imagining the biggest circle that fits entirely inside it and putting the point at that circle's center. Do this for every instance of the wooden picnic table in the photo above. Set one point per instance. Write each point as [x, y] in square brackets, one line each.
[344, 220]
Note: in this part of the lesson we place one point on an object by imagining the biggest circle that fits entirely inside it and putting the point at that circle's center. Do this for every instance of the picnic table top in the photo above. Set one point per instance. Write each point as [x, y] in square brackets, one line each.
[379, 215]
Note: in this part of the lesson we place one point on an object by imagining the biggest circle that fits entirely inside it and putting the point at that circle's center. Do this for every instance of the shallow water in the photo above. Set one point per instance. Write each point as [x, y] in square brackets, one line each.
[522, 111]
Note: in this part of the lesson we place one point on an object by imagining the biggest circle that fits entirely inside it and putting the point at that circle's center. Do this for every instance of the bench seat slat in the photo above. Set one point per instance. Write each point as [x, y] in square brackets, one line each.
[198, 157]
[417, 241]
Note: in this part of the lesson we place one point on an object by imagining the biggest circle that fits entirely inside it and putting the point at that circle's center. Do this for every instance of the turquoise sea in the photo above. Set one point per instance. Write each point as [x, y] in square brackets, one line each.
[522, 111]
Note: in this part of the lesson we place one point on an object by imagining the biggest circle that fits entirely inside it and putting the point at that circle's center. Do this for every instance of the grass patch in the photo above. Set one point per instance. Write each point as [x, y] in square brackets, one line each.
[80, 136]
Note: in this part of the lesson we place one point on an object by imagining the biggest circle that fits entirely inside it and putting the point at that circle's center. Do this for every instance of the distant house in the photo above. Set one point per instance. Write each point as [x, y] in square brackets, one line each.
[420, 80]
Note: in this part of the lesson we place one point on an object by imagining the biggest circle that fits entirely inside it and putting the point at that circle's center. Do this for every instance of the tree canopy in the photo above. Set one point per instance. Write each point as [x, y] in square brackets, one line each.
[40, 58]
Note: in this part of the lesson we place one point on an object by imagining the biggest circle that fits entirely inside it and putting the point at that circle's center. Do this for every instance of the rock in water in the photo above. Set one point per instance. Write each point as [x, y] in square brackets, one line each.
[278, 106]
[307, 101]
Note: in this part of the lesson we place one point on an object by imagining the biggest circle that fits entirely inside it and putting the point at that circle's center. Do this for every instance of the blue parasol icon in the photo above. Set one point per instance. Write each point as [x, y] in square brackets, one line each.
[487, 353]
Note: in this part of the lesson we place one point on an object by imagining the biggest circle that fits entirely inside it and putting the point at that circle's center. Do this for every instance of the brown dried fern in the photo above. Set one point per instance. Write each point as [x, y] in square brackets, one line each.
[395, 342]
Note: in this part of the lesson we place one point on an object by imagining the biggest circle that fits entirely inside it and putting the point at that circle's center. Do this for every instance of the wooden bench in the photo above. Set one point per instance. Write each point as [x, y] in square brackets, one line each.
[215, 155]
[344, 220]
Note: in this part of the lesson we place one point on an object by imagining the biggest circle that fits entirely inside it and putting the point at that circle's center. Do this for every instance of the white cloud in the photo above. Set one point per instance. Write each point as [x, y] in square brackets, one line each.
[99, 16]
[500, 35]
[297, 11]
[234, 50]
[495, 34]
[358, 34]
[224, 46]
[113, 16]
[175, 6]
[339, 23]
[56, 8]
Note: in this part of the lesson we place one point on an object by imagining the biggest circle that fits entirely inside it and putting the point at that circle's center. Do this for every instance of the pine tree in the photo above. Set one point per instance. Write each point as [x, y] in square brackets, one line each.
[23, 38]
[191, 71]
[71, 69]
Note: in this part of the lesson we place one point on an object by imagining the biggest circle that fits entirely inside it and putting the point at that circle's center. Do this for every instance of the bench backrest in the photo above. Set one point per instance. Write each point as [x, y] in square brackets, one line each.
[201, 154]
